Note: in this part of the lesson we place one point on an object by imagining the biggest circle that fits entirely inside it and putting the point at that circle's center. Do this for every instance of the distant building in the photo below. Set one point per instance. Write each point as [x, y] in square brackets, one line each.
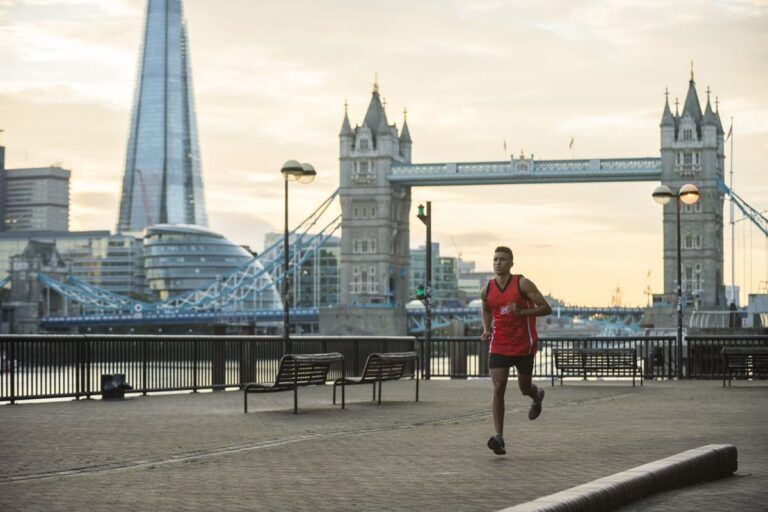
[2, 188]
[36, 198]
[112, 262]
[316, 284]
[445, 276]
[162, 182]
[20, 312]
[180, 258]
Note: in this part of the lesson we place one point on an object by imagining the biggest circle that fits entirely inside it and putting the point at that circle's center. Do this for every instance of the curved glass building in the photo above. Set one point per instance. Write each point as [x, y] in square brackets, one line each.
[180, 258]
[163, 181]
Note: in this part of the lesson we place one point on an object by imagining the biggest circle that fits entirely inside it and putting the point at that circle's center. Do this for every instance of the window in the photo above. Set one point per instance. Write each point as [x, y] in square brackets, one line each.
[693, 208]
[363, 172]
[687, 134]
[364, 145]
[364, 246]
[692, 241]
[687, 159]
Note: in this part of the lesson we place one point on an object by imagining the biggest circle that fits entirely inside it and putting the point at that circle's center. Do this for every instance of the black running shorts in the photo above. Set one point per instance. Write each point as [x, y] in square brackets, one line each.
[524, 364]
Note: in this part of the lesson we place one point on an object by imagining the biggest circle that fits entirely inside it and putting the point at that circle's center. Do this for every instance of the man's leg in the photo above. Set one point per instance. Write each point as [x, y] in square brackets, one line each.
[499, 377]
[528, 388]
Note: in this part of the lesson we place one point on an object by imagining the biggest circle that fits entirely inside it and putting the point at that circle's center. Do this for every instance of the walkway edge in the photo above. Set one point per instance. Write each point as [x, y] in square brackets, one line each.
[700, 464]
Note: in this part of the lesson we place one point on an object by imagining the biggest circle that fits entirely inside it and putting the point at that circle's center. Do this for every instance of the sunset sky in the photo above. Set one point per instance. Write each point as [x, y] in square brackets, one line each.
[271, 79]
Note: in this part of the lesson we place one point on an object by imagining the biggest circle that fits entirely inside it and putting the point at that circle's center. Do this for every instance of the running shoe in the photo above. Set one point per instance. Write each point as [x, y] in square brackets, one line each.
[496, 443]
[535, 409]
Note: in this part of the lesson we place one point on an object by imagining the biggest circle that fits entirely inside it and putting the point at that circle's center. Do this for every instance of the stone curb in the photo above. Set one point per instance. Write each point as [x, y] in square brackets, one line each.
[700, 464]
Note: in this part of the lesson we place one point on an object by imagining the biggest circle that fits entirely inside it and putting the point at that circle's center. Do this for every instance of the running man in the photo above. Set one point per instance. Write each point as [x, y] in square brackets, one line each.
[512, 302]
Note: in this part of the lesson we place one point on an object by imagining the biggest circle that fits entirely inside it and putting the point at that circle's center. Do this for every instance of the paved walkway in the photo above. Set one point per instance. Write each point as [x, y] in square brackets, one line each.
[200, 452]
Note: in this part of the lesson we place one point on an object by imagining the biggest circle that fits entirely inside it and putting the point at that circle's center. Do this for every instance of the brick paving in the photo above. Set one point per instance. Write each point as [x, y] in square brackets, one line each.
[199, 451]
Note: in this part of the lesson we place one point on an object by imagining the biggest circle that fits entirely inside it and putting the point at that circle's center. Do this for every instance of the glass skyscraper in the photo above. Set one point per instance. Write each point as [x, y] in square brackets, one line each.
[162, 181]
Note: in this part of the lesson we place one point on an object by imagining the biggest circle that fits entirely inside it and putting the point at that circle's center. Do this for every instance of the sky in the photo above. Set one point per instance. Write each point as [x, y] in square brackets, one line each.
[271, 79]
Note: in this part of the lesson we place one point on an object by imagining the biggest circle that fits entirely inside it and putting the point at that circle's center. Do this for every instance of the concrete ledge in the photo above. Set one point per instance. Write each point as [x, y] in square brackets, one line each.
[700, 464]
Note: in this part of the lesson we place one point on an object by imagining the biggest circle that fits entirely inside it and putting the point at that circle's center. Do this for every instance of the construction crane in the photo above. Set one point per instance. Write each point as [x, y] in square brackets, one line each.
[147, 216]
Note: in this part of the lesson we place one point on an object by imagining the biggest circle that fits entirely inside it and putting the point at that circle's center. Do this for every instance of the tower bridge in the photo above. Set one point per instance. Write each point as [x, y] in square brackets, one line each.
[377, 174]
[376, 177]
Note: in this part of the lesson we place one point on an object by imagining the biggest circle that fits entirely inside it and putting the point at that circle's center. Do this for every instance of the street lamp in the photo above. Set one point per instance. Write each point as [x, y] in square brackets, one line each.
[687, 194]
[302, 173]
[425, 293]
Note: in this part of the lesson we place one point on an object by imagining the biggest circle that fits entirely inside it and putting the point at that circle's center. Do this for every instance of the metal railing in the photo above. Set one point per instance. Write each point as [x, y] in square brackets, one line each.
[468, 356]
[704, 353]
[50, 366]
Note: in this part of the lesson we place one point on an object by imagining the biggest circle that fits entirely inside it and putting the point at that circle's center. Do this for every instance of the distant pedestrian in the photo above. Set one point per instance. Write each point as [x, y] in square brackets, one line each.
[511, 304]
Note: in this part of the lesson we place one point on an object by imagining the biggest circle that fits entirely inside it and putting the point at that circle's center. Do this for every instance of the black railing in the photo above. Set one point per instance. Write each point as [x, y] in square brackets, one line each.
[705, 360]
[49, 366]
[468, 356]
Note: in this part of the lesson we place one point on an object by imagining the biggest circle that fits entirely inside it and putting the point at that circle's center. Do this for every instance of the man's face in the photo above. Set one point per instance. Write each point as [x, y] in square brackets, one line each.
[502, 263]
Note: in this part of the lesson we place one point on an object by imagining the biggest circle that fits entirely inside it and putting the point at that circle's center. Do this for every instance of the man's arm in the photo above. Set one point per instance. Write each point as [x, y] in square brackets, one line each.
[541, 306]
[487, 316]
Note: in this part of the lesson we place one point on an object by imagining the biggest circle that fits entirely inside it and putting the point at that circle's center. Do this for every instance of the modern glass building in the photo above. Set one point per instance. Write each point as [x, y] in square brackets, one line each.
[445, 276]
[180, 258]
[316, 283]
[112, 262]
[162, 181]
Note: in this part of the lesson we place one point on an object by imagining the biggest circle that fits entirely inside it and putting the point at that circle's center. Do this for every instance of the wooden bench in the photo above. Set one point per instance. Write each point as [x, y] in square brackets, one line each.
[744, 362]
[579, 362]
[380, 367]
[298, 370]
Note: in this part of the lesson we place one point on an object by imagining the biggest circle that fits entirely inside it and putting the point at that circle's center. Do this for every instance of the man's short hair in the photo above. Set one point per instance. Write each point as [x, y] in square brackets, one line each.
[504, 249]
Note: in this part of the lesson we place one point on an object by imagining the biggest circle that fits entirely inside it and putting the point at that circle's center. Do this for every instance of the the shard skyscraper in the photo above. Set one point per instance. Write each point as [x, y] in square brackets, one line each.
[162, 181]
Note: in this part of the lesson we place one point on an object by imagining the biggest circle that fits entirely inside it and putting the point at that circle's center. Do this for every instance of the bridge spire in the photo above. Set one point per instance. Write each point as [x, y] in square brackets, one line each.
[346, 128]
[666, 118]
[692, 107]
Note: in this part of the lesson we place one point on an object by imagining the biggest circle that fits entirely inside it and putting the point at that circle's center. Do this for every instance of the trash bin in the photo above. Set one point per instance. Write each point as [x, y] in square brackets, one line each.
[113, 386]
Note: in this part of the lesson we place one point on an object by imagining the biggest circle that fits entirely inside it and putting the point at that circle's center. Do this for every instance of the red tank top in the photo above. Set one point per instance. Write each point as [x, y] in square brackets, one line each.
[512, 335]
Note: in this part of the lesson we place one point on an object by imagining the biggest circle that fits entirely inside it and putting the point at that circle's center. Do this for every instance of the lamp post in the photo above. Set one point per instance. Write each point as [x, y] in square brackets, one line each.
[303, 173]
[687, 194]
[426, 218]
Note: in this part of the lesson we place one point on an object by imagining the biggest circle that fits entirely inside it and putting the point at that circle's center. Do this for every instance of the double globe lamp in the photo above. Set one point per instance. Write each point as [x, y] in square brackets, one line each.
[302, 173]
[687, 194]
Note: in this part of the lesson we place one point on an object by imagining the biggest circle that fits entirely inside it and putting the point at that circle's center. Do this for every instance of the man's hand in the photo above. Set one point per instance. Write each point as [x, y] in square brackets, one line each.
[486, 336]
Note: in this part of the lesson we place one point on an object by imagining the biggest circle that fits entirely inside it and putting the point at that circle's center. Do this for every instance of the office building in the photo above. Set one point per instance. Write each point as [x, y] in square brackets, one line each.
[162, 182]
[445, 276]
[181, 258]
[112, 262]
[36, 199]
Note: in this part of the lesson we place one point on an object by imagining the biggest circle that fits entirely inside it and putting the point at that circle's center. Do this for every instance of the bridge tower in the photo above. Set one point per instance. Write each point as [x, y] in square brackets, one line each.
[692, 152]
[375, 255]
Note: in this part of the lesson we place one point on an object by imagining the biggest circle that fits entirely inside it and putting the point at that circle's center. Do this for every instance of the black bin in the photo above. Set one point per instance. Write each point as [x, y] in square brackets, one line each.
[113, 386]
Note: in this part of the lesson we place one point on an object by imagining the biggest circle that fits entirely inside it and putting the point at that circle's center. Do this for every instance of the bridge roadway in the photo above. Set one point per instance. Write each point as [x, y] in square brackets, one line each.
[302, 315]
[524, 171]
